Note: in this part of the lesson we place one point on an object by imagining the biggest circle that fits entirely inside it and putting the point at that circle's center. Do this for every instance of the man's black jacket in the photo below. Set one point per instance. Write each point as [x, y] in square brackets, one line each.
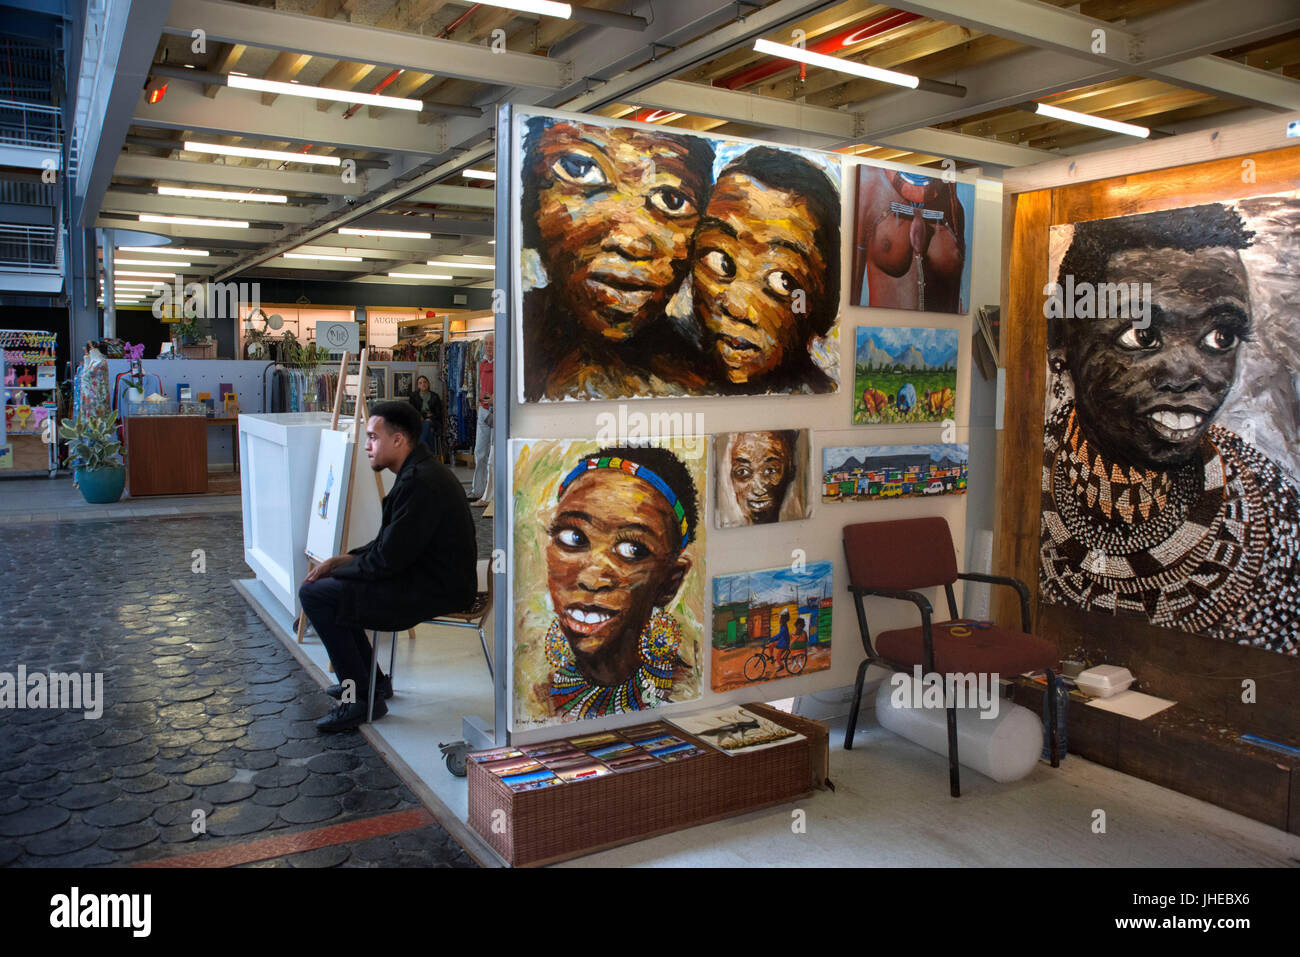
[423, 562]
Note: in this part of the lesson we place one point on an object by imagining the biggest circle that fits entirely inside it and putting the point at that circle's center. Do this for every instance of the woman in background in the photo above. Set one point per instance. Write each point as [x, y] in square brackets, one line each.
[429, 405]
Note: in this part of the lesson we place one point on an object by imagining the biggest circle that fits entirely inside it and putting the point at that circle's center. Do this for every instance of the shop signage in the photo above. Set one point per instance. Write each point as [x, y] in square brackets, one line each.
[339, 336]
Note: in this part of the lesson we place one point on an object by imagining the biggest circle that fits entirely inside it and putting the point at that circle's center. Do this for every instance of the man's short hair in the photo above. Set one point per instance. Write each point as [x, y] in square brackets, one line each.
[399, 417]
[1188, 229]
[792, 173]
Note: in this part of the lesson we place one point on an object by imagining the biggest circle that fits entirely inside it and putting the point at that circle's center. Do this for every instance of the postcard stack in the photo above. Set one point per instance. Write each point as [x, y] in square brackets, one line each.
[532, 767]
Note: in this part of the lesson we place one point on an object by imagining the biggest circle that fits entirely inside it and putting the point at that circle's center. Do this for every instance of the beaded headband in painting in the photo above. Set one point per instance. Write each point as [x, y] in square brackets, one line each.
[641, 472]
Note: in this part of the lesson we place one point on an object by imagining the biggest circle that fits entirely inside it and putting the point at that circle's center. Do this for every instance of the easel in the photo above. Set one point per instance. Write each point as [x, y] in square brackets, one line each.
[351, 385]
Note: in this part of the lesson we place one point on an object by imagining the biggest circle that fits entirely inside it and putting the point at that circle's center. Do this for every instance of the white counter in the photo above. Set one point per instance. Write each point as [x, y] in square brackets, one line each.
[278, 458]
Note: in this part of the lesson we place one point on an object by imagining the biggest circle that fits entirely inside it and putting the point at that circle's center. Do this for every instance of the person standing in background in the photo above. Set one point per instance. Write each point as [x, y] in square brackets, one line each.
[480, 490]
[429, 404]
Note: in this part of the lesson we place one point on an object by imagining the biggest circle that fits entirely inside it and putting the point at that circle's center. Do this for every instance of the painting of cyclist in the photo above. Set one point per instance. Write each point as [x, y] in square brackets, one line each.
[770, 625]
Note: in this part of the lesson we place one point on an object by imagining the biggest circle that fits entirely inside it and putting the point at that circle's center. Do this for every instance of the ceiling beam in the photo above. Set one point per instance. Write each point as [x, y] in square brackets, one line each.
[722, 104]
[1167, 37]
[699, 30]
[380, 247]
[338, 40]
[1220, 77]
[456, 196]
[130, 35]
[450, 225]
[189, 234]
[185, 108]
[959, 146]
[1032, 23]
[1174, 45]
[183, 206]
[219, 174]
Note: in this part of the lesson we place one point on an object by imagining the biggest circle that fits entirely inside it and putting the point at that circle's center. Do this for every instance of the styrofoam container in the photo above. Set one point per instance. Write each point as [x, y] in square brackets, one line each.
[1104, 680]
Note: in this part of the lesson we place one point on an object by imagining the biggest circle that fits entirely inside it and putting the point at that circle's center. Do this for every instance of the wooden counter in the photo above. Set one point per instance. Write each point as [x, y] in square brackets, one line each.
[166, 455]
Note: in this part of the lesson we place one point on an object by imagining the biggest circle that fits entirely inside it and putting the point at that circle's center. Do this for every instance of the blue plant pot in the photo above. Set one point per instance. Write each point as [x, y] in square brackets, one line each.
[101, 486]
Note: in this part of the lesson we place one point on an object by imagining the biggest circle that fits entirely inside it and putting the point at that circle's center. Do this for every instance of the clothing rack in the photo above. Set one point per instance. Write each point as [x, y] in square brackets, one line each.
[460, 376]
[319, 384]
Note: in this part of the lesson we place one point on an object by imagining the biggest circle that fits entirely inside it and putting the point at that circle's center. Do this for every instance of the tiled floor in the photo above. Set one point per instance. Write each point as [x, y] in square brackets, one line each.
[56, 500]
[204, 710]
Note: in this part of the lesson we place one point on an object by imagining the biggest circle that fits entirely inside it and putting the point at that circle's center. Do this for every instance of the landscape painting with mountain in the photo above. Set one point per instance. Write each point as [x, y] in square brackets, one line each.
[904, 375]
[859, 473]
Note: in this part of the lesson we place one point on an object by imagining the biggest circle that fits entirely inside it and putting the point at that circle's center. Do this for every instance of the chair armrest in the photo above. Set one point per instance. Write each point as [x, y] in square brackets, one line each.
[916, 598]
[1021, 589]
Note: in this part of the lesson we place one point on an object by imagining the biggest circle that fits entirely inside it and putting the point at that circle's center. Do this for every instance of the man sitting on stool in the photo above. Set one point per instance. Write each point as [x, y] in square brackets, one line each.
[422, 564]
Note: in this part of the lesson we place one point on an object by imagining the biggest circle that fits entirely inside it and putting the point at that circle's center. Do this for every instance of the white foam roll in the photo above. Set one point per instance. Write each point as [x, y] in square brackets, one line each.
[1004, 748]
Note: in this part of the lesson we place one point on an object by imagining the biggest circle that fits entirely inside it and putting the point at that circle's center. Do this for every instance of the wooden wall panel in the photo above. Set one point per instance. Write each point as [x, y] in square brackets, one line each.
[1203, 674]
[1020, 443]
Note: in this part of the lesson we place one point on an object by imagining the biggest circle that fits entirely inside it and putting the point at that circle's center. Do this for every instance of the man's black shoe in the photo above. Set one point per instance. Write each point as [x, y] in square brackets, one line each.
[383, 689]
[348, 716]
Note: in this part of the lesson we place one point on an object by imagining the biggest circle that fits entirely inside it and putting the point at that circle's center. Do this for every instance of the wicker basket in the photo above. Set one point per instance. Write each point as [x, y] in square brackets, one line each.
[532, 828]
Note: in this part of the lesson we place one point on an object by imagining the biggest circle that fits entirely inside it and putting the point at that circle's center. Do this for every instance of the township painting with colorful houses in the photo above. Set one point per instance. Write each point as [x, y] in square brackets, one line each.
[865, 473]
[771, 624]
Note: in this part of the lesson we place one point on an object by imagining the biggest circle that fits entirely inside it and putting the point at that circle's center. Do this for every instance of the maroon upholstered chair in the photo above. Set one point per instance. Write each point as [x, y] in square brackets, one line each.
[895, 560]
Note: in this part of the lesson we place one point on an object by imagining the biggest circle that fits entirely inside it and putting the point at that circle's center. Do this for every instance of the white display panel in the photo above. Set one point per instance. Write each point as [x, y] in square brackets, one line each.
[278, 455]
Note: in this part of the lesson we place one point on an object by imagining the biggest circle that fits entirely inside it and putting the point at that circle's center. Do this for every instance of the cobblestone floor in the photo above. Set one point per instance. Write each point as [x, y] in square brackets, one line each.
[203, 709]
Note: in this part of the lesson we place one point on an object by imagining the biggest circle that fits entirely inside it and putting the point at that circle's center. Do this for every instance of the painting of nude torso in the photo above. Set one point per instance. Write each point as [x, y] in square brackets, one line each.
[912, 242]
[659, 262]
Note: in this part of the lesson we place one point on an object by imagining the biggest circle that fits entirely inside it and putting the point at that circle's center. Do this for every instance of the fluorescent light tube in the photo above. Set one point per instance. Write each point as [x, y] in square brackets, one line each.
[149, 262]
[194, 221]
[250, 153]
[546, 8]
[240, 82]
[416, 275]
[341, 259]
[1084, 119]
[127, 272]
[397, 233]
[221, 194]
[159, 250]
[835, 63]
[478, 174]
[451, 265]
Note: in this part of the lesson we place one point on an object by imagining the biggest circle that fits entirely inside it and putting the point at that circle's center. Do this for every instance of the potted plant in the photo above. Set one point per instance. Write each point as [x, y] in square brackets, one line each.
[186, 331]
[135, 378]
[255, 343]
[93, 451]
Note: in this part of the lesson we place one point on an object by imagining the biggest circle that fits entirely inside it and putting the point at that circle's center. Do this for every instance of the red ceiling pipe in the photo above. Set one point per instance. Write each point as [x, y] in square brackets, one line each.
[347, 114]
[830, 46]
[451, 27]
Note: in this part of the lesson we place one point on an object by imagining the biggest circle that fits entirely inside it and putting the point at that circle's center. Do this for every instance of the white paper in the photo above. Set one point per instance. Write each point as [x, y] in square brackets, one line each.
[1132, 704]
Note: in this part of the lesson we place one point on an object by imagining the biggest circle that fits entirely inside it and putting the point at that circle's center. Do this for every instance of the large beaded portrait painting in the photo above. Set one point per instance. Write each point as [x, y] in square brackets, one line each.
[609, 614]
[1171, 453]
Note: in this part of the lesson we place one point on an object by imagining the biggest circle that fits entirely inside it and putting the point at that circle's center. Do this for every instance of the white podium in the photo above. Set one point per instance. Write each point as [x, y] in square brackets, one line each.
[278, 454]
